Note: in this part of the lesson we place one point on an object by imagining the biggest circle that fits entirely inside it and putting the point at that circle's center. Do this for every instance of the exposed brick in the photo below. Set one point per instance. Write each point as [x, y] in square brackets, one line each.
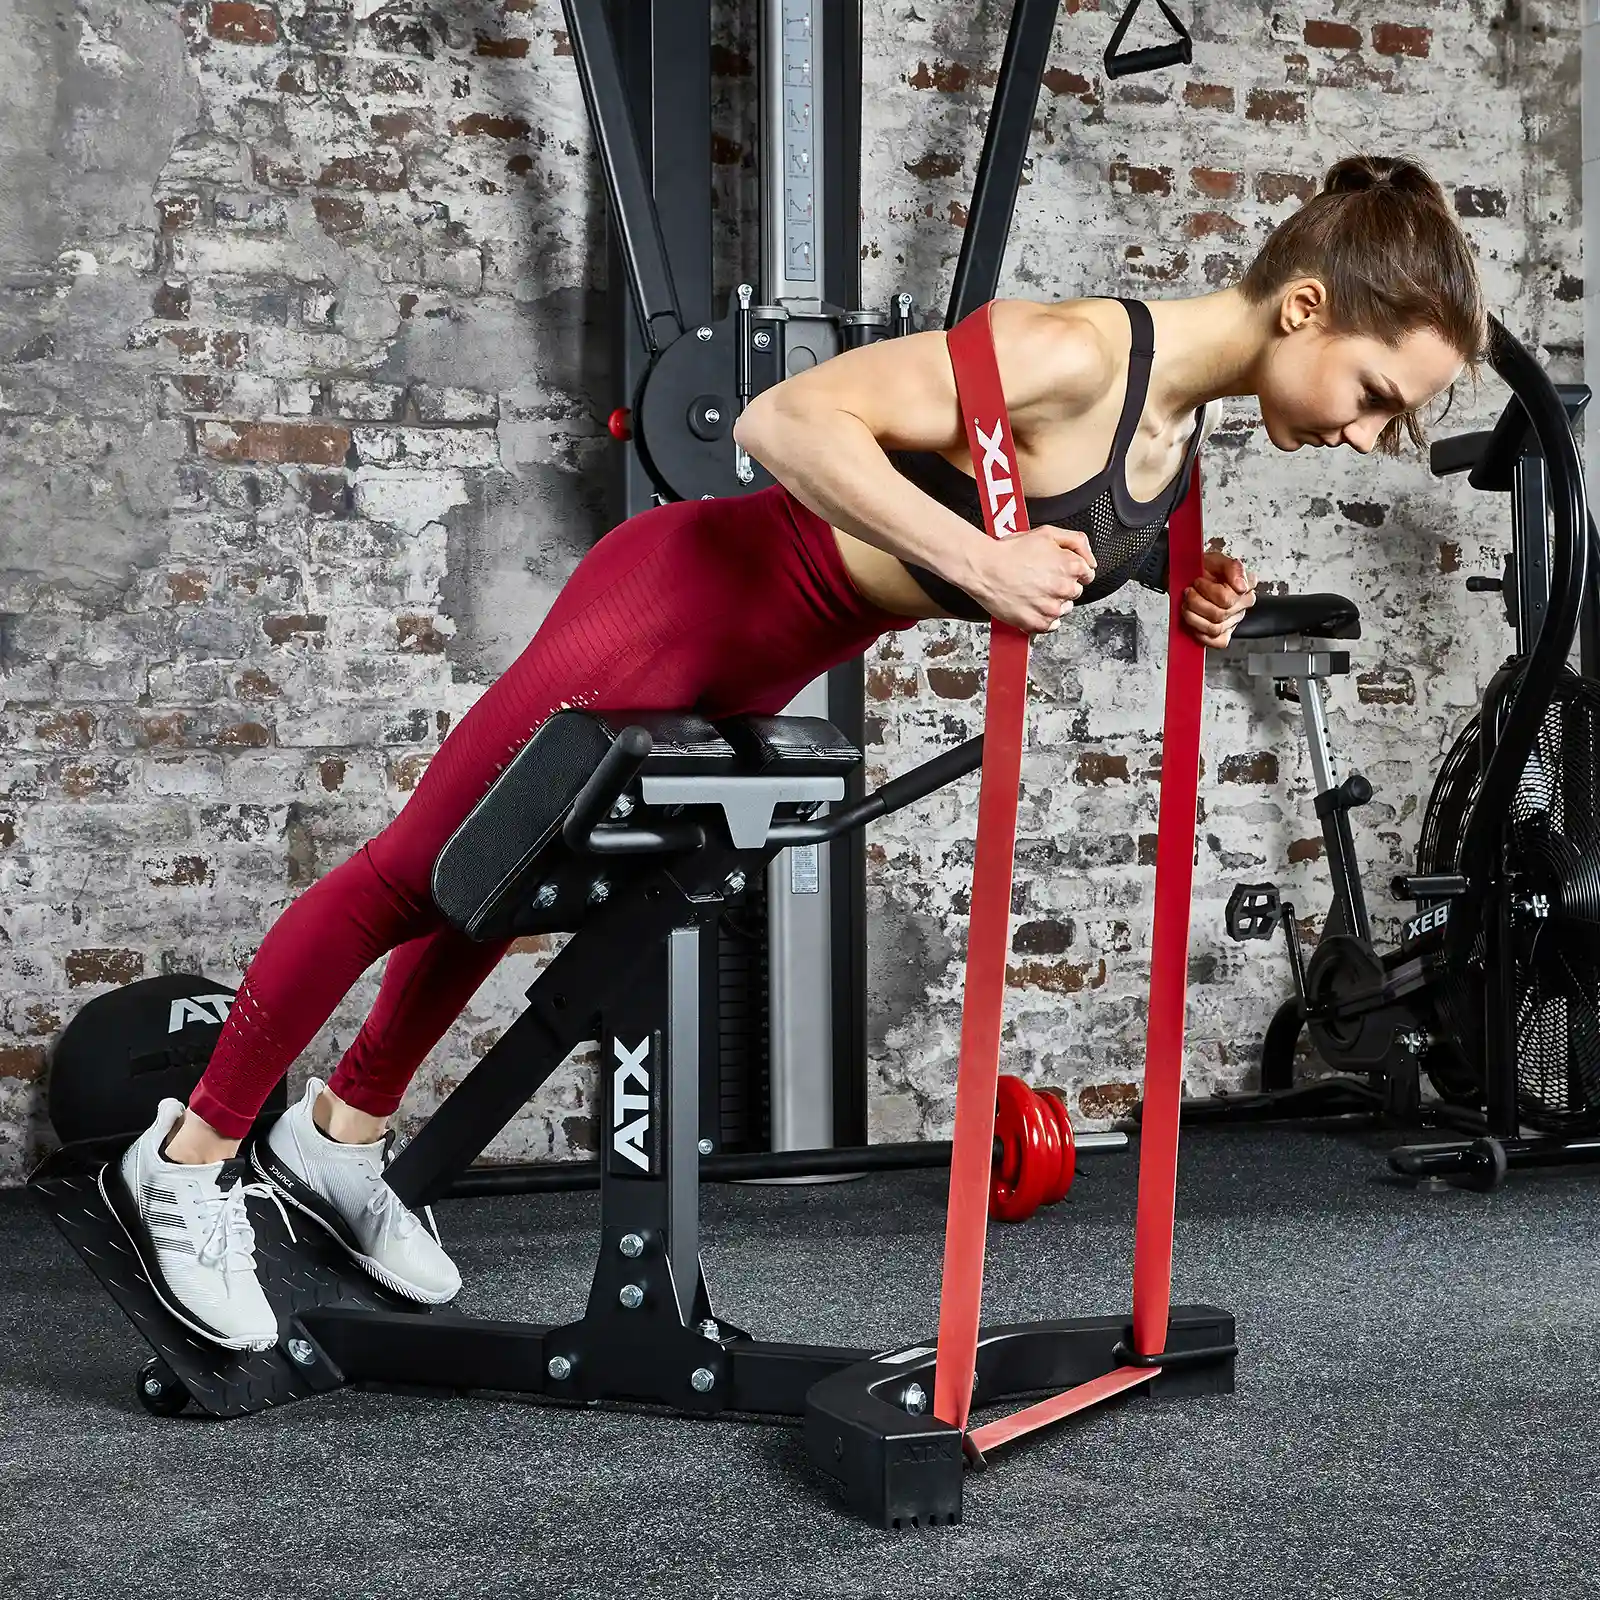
[1273, 188]
[239, 23]
[945, 77]
[182, 872]
[374, 171]
[1216, 184]
[1205, 224]
[934, 165]
[1166, 268]
[1259, 766]
[1061, 82]
[1365, 513]
[1208, 97]
[1386, 686]
[1332, 36]
[8, 830]
[316, 443]
[502, 49]
[1057, 977]
[176, 211]
[85, 967]
[1097, 767]
[421, 635]
[65, 730]
[1392, 39]
[187, 588]
[1103, 1101]
[951, 683]
[1042, 938]
[330, 773]
[338, 215]
[282, 629]
[1275, 105]
[1140, 180]
[482, 125]
[244, 736]
[22, 1061]
[399, 125]
[1306, 850]
[1449, 556]
[254, 684]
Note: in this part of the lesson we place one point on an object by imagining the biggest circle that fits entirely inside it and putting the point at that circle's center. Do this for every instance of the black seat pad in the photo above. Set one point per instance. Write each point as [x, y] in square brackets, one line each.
[1321, 616]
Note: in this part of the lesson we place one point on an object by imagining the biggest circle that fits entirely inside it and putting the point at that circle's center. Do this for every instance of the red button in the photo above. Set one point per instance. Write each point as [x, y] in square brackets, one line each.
[619, 423]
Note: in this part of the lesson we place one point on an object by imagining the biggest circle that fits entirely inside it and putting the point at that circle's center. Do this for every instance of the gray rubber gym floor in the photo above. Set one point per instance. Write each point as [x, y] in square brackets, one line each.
[1416, 1413]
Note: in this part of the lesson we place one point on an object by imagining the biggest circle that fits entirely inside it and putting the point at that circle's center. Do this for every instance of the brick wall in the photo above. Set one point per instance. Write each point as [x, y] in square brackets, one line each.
[302, 391]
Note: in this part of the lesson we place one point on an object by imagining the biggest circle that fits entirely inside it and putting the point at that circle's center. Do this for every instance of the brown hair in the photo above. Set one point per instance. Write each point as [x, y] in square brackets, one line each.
[1384, 241]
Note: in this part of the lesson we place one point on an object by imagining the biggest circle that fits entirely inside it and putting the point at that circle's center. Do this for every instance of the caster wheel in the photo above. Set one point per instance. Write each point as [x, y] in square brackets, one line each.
[1484, 1165]
[161, 1392]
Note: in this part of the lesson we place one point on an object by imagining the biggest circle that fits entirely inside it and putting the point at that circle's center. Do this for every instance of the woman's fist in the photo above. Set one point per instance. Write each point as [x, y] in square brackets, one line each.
[1213, 604]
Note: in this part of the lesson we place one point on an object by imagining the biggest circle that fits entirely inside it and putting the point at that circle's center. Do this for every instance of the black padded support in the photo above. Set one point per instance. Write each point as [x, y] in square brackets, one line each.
[1319, 616]
[810, 746]
[493, 859]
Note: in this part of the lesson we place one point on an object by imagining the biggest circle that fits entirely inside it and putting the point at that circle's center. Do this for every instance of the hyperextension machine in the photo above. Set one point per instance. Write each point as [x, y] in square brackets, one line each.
[633, 832]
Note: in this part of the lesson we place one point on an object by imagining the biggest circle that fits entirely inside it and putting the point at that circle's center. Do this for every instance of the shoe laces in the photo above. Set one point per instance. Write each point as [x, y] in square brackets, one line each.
[383, 1204]
[230, 1241]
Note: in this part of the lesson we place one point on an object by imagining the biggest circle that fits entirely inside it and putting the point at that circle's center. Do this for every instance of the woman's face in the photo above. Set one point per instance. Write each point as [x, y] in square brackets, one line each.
[1322, 388]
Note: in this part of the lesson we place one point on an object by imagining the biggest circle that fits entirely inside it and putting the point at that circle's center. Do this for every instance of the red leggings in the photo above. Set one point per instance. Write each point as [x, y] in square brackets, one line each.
[722, 606]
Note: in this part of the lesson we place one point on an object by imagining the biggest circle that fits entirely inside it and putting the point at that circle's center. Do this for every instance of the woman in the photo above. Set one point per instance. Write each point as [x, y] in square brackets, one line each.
[1359, 310]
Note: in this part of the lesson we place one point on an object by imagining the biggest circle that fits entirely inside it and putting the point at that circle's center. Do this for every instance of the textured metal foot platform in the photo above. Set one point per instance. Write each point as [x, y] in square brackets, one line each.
[297, 1275]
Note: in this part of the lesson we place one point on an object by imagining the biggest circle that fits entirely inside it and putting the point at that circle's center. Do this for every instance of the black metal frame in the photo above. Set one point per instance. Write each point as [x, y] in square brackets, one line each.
[1529, 455]
[629, 975]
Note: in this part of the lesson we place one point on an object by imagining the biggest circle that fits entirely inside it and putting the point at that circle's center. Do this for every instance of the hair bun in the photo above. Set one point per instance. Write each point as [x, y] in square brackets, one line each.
[1357, 174]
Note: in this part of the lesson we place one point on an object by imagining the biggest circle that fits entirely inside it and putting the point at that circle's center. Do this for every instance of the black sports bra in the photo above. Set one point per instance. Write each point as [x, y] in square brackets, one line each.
[1128, 536]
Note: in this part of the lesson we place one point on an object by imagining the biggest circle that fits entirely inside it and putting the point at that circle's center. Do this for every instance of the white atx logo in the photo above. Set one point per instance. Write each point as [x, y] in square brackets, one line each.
[206, 1009]
[997, 480]
[630, 1093]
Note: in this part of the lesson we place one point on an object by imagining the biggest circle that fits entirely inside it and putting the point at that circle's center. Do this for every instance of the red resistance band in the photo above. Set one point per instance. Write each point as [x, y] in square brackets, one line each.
[994, 458]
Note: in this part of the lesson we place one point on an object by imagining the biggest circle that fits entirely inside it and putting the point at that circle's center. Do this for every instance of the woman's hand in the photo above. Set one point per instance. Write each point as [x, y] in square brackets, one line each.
[1213, 604]
[1031, 579]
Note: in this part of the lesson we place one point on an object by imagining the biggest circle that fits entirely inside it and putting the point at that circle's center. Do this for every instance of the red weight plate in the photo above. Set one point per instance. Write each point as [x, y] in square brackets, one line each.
[1019, 1125]
[1057, 1112]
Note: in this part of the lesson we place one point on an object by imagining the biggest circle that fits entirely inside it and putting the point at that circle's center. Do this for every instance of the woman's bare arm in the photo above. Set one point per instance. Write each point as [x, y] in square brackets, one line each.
[824, 434]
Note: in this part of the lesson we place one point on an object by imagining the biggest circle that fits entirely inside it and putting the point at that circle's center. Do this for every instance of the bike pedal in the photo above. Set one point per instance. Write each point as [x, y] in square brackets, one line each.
[1254, 910]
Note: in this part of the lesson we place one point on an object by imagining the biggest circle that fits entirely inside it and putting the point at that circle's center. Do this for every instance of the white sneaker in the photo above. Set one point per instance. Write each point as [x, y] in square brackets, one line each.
[193, 1236]
[341, 1187]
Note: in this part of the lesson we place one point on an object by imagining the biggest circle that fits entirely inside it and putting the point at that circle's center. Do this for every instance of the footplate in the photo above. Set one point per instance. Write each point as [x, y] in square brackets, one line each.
[297, 1275]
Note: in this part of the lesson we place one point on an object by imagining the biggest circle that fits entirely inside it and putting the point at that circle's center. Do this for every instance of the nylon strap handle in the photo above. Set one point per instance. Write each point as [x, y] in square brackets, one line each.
[993, 453]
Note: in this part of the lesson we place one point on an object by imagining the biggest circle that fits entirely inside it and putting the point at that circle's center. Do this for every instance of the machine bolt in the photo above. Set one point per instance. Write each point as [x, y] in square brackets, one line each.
[300, 1351]
[559, 1368]
[702, 1380]
[735, 882]
[632, 1246]
[632, 1296]
[546, 897]
[623, 806]
[762, 339]
[710, 1329]
[916, 1399]
[599, 892]
[152, 1387]
[703, 335]
[706, 1147]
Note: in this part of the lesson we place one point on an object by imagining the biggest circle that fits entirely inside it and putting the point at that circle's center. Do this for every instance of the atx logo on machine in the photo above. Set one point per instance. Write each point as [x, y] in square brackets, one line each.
[998, 479]
[630, 1102]
[206, 1009]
